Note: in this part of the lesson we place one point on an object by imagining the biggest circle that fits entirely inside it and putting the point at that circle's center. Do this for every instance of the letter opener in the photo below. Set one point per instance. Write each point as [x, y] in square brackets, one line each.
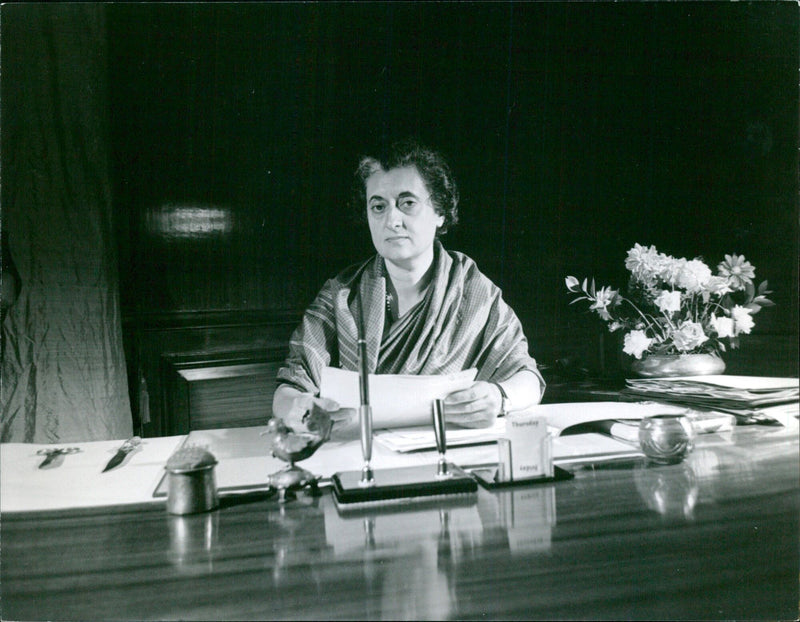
[51, 454]
[126, 448]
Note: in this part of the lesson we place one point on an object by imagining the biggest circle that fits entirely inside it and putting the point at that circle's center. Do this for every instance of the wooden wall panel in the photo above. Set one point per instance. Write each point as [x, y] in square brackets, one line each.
[160, 349]
[232, 396]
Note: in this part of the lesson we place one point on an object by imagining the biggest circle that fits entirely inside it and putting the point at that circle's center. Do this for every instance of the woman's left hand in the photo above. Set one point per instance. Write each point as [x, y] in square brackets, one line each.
[475, 407]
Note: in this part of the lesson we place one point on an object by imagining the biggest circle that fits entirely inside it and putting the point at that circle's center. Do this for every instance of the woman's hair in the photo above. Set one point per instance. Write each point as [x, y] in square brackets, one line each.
[431, 166]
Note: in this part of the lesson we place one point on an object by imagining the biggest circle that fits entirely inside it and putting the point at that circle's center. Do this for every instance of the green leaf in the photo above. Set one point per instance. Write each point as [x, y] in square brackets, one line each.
[763, 301]
[762, 289]
[750, 289]
[571, 282]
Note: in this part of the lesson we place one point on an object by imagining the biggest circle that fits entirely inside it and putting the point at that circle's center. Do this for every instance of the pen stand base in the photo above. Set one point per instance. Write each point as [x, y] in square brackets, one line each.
[400, 485]
[488, 478]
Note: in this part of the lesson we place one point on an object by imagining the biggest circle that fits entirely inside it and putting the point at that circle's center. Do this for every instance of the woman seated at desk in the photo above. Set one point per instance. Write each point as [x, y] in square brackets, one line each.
[426, 310]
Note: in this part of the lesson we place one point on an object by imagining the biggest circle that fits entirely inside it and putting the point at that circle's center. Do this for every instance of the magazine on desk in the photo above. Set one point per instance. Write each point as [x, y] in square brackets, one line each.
[720, 390]
[751, 399]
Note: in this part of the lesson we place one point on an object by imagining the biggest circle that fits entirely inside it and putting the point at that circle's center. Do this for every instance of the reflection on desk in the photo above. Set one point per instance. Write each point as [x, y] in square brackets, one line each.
[715, 537]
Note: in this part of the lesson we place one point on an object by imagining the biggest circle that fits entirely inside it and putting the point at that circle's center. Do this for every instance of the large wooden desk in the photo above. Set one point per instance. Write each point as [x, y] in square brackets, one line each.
[713, 538]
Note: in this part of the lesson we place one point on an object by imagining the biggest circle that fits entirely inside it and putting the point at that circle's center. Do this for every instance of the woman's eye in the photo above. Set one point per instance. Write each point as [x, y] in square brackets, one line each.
[407, 204]
[377, 208]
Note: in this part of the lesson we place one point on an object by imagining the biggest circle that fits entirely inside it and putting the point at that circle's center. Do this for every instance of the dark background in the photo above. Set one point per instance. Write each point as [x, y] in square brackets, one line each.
[574, 129]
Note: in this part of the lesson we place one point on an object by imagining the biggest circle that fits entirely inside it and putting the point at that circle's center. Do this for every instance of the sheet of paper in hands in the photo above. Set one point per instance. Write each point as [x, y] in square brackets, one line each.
[396, 400]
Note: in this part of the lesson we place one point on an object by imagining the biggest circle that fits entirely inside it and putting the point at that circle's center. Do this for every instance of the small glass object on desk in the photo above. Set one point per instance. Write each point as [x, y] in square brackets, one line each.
[666, 439]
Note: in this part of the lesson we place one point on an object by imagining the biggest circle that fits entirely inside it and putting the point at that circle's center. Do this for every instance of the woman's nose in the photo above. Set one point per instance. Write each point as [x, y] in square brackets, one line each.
[394, 218]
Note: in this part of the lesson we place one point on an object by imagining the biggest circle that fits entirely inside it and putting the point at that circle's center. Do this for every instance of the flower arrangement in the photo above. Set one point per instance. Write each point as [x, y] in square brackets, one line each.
[677, 306]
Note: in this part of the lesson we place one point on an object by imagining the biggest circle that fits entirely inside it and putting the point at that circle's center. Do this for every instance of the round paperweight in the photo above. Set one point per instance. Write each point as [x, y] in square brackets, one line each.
[666, 439]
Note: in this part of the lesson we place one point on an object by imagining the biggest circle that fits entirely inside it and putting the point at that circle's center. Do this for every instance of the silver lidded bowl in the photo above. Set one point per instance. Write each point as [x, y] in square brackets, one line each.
[191, 482]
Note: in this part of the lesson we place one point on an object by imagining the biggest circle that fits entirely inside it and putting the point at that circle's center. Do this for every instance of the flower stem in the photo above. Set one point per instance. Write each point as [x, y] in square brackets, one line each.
[652, 324]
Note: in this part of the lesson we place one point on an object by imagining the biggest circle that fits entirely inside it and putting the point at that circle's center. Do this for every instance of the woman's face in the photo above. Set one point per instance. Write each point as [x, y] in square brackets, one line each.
[402, 219]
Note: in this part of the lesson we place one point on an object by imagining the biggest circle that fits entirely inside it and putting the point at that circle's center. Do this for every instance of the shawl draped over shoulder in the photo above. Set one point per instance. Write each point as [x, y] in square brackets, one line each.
[461, 323]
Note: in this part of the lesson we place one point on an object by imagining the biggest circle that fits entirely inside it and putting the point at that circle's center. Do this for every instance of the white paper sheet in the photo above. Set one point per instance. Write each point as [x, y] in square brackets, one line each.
[591, 448]
[396, 400]
[422, 437]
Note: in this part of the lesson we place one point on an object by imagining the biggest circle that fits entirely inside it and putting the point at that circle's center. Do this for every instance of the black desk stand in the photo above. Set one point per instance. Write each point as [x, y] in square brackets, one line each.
[401, 485]
[488, 478]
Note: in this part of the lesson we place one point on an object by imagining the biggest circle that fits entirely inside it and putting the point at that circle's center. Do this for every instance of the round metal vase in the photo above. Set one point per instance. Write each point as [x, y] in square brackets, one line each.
[671, 365]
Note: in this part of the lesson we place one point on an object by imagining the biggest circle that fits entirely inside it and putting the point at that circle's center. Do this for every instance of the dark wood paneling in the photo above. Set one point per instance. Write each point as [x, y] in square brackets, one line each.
[241, 397]
[765, 355]
[226, 390]
[159, 346]
[574, 129]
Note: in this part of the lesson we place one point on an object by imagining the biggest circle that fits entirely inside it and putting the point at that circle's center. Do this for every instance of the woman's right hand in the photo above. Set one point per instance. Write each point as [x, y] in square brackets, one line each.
[292, 405]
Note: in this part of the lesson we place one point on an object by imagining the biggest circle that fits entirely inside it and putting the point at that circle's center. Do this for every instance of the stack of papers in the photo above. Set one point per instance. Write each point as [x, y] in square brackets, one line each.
[747, 397]
[420, 438]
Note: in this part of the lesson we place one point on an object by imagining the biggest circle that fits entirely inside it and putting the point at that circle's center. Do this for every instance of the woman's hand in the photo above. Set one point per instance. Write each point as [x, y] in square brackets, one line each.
[475, 407]
[292, 406]
[302, 404]
[345, 420]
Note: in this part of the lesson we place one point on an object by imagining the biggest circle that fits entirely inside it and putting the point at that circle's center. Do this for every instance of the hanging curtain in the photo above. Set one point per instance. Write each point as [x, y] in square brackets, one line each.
[63, 366]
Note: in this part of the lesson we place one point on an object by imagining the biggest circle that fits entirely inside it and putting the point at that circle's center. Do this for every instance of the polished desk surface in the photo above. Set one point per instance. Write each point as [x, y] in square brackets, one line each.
[715, 537]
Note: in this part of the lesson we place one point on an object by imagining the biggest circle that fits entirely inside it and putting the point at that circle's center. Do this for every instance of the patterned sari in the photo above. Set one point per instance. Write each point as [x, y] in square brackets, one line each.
[462, 322]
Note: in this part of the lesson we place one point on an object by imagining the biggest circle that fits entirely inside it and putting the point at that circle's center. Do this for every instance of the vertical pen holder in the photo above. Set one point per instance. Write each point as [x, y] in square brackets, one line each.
[437, 414]
[365, 428]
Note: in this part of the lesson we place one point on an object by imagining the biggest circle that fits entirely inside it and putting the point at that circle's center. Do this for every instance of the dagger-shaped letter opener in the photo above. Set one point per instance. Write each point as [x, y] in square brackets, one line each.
[364, 410]
[126, 448]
